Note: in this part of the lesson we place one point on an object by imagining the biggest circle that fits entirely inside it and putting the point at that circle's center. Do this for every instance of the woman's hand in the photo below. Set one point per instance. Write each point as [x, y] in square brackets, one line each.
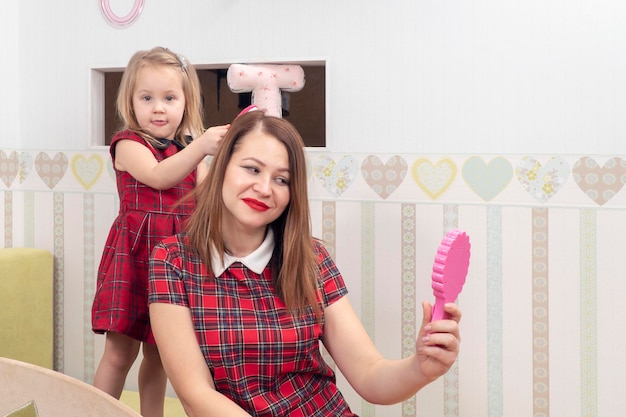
[437, 345]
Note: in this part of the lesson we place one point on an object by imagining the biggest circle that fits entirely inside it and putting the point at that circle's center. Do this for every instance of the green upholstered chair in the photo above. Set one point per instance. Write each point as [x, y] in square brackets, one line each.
[26, 305]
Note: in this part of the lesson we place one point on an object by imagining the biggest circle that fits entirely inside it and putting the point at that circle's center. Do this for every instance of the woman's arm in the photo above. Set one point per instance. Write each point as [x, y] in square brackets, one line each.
[384, 381]
[185, 365]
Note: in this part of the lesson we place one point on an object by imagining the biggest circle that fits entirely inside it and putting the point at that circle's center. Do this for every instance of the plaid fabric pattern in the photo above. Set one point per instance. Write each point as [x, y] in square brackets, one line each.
[146, 216]
[264, 358]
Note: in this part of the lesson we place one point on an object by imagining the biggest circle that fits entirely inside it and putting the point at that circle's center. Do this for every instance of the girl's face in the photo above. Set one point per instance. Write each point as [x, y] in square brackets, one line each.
[256, 183]
[159, 101]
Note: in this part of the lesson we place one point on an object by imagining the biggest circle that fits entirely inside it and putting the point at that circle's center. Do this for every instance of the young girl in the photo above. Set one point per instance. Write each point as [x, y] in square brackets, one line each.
[242, 299]
[156, 164]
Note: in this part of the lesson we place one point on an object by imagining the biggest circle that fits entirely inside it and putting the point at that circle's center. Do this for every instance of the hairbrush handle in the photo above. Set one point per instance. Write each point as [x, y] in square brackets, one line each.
[449, 270]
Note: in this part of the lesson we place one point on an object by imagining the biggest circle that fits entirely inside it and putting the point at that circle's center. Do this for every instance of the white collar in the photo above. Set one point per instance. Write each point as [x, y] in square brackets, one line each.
[256, 261]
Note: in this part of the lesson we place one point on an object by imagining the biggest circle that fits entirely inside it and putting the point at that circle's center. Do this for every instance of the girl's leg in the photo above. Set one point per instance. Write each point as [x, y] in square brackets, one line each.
[152, 382]
[120, 352]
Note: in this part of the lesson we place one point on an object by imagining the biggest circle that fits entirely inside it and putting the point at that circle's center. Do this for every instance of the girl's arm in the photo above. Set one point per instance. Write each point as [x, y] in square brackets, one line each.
[202, 170]
[185, 365]
[139, 161]
[383, 381]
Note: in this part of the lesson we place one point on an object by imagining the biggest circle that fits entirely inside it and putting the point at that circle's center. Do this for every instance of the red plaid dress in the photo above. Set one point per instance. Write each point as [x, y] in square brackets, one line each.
[262, 357]
[146, 216]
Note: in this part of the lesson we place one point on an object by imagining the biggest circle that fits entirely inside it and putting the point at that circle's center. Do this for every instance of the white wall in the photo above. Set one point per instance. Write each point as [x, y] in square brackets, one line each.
[414, 75]
[10, 73]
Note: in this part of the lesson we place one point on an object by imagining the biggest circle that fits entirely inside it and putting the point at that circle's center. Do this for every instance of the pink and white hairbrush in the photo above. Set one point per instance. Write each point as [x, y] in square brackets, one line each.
[251, 107]
[449, 270]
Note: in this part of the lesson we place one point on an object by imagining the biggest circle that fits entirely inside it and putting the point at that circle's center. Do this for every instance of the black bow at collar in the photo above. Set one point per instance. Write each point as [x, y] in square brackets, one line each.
[165, 143]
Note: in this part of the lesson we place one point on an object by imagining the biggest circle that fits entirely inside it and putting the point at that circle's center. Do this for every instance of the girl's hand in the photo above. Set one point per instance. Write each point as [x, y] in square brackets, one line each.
[437, 345]
[212, 137]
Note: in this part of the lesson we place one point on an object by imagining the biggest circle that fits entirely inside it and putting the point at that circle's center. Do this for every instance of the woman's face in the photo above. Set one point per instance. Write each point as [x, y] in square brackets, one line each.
[256, 183]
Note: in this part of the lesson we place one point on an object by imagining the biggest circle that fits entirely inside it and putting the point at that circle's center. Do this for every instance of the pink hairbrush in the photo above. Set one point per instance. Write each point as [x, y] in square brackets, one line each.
[449, 270]
[251, 107]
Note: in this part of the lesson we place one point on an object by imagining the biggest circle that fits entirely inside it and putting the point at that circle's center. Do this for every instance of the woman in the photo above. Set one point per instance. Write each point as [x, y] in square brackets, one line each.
[240, 302]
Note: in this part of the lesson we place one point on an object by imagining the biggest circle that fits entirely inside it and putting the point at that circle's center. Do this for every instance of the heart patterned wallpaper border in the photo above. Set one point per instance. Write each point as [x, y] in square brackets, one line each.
[432, 178]
[485, 178]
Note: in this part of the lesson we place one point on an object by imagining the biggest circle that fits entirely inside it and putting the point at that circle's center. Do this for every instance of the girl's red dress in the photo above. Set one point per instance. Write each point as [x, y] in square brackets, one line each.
[146, 216]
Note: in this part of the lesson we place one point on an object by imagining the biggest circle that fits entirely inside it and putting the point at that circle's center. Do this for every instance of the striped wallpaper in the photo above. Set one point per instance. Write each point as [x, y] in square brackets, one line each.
[542, 330]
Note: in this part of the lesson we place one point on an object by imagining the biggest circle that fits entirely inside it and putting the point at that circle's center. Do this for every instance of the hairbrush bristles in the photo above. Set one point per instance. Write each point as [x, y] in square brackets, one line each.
[449, 270]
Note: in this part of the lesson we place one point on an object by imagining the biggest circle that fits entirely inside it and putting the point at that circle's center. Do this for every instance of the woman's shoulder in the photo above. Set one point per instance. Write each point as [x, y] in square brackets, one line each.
[171, 248]
[177, 251]
[325, 261]
[319, 248]
[175, 243]
[330, 280]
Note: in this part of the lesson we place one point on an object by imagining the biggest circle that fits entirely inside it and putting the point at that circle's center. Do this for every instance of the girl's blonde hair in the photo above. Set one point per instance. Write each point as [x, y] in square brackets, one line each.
[294, 263]
[191, 124]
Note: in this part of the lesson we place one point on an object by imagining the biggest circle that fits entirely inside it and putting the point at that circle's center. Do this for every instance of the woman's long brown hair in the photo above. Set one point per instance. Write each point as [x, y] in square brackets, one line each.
[294, 264]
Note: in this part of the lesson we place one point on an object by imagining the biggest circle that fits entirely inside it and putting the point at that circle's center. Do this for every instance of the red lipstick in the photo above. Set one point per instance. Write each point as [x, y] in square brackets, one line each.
[256, 204]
